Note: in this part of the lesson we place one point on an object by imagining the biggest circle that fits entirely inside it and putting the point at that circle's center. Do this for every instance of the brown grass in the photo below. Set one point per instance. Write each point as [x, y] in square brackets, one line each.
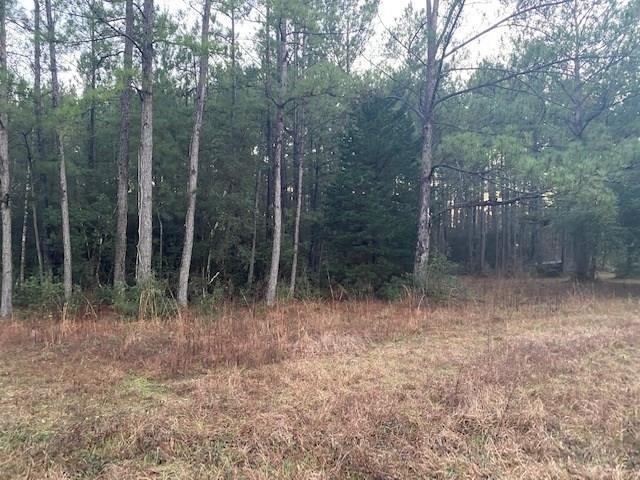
[527, 379]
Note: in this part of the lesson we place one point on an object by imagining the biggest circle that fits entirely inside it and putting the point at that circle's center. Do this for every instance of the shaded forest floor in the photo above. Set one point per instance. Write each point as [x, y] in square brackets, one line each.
[525, 379]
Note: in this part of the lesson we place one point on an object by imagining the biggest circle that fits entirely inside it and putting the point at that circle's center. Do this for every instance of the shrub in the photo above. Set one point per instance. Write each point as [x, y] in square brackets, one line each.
[439, 282]
[44, 295]
[149, 300]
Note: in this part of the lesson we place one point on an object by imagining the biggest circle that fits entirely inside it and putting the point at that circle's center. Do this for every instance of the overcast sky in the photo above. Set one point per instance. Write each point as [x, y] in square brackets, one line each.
[478, 15]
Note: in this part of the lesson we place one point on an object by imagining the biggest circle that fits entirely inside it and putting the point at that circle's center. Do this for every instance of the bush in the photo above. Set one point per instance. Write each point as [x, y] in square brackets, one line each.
[210, 302]
[149, 300]
[42, 295]
[439, 283]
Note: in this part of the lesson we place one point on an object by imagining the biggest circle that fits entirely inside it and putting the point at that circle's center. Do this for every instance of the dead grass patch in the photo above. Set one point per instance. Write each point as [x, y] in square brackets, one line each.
[518, 383]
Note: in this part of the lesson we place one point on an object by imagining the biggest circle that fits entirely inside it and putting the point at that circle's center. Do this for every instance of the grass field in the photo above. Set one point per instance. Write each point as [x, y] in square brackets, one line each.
[525, 379]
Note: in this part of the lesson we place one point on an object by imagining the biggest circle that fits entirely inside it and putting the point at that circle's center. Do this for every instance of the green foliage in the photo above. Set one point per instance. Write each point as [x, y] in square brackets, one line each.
[568, 139]
[45, 296]
[40, 295]
[439, 284]
[370, 209]
[151, 300]
[440, 281]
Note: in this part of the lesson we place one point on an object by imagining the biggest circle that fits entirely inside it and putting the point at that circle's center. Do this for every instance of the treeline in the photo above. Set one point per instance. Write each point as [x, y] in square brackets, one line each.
[296, 162]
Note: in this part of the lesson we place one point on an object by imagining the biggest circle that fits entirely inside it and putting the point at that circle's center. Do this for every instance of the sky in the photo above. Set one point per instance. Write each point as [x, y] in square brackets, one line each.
[478, 15]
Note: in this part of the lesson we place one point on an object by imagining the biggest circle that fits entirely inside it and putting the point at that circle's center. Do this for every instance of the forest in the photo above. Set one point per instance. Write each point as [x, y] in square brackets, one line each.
[315, 163]
[272, 209]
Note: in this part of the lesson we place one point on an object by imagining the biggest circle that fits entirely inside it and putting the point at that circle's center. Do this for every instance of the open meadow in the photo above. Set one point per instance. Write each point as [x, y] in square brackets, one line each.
[526, 379]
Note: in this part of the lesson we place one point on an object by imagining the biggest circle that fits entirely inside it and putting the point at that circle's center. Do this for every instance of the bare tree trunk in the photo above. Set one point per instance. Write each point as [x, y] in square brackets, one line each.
[44, 262]
[254, 239]
[25, 214]
[64, 197]
[159, 262]
[299, 133]
[277, 159]
[30, 201]
[268, 127]
[483, 240]
[122, 208]
[194, 149]
[36, 234]
[426, 156]
[145, 154]
[92, 85]
[6, 301]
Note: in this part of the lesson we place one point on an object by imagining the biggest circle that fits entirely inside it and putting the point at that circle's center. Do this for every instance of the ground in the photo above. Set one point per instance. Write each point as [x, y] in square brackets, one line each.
[522, 379]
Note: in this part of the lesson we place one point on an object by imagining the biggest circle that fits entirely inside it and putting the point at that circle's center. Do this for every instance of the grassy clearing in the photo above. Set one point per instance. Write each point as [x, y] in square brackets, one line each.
[528, 380]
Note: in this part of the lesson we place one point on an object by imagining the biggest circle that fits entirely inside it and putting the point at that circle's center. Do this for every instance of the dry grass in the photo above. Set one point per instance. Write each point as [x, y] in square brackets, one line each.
[528, 380]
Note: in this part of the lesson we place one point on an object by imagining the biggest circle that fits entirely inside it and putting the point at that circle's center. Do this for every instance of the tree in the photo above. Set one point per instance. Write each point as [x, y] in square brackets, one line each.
[370, 205]
[6, 306]
[194, 152]
[41, 247]
[430, 46]
[277, 161]
[600, 40]
[122, 202]
[59, 138]
[145, 154]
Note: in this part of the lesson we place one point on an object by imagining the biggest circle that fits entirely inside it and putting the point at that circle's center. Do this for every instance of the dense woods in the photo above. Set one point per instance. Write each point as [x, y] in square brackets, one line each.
[330, 153]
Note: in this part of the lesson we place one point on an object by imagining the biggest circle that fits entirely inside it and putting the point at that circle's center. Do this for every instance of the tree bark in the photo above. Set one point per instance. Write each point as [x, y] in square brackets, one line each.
[268, 132]
[277, 159]
[44, 262]
[493, 196]
[64, 197]
[91, 143]
[145, 153]
[426, 156]
[194, 150]
[299, 152]
[482, 212]
[6, 301]
[25, 213]
[122, 202]
[31, 202]
[254, 239]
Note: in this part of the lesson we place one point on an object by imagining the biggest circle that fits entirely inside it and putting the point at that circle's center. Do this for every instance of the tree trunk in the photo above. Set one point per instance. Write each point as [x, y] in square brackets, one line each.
[44, 262]
[145, 154]
[6, 301]
[426, 156]
[122, 208]
[25, 213]
[194, 150]
[30, 202]
[299, 152]
[92, 85]
[254, 239]
[495, 224]
[314, 244]
[277, 159]
[482, 212]
[268, 130]
[64, 198]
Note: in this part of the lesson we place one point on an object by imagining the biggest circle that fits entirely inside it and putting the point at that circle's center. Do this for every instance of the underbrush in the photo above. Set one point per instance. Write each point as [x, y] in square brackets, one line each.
[166, 341]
